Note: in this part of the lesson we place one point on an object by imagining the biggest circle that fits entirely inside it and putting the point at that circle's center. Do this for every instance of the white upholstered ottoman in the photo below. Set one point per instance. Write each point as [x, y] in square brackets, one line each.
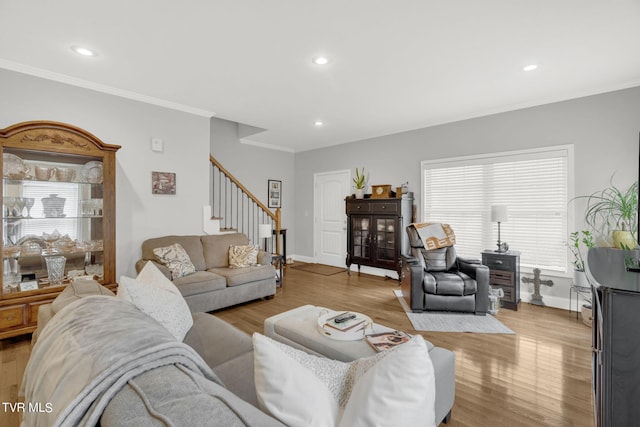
[299, 328]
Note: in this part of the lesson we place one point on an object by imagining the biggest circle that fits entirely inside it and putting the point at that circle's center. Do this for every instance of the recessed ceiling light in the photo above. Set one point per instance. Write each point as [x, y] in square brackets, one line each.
[318, 123]
[83, 51]
[530, 67]
[320, 60]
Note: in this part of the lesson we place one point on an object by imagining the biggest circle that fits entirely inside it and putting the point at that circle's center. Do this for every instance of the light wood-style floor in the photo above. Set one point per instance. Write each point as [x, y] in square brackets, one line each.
[541, 376]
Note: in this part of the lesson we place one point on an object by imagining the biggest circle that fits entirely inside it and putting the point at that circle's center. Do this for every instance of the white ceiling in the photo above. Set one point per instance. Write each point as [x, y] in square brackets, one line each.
[395, 65]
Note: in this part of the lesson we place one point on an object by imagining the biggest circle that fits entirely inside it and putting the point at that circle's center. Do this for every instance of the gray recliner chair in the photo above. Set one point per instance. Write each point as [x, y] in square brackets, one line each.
[439, 280]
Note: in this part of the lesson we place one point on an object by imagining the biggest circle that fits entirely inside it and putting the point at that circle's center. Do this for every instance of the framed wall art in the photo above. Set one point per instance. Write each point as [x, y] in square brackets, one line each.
[163, 183]
[275, 193]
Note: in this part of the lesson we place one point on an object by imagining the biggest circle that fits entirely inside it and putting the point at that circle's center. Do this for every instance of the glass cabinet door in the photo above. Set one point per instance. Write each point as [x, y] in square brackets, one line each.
[360, 236]
[52, 219]
[385, 239]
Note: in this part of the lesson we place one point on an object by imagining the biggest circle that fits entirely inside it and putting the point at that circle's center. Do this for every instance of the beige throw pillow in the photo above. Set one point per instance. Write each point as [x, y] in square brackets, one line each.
[176, 259]
[243, 256]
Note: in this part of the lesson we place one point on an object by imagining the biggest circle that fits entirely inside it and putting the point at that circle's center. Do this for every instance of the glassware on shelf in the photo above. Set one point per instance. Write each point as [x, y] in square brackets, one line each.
[50, 239]
[53, 206]
[44, 173]
[11, 268]
[12, 231]
[65, 174]
[92, 172]
[64, 244]
[20, 204]
[13, 167]
[92, 207]
[55, 269]
[12, 207]
[31, 248]
[28, 203]
[96, 270]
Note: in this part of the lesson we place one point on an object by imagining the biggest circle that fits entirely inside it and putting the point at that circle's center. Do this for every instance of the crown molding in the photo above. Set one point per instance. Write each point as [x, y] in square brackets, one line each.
[267, 146]
[73, 81]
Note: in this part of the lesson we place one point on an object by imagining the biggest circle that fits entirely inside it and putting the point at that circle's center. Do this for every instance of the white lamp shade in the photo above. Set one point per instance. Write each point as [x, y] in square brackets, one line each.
[499, 213]
[264, 231]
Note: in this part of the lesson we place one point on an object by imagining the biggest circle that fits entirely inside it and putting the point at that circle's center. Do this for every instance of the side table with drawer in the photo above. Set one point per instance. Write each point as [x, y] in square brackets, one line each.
[504, 273]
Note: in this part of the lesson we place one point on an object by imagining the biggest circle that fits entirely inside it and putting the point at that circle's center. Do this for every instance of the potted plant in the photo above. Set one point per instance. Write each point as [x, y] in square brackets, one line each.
[613, 212]
[577, 240]
[360, 182]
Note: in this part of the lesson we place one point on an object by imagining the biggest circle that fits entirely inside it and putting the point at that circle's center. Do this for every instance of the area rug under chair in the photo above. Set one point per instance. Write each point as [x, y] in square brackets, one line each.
[452, 322]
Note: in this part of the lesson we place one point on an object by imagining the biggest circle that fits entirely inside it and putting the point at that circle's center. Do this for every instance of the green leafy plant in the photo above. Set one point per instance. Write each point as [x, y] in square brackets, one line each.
[612, 209]
[360, 180]
[577, 238]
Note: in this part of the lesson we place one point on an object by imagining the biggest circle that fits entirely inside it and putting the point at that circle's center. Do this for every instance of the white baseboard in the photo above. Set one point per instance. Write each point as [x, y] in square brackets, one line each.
[364, 269]
[554, 301]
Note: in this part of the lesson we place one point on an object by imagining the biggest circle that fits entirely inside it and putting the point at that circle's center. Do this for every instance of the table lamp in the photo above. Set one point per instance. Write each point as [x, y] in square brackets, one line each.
[499, 215]
[265, 232]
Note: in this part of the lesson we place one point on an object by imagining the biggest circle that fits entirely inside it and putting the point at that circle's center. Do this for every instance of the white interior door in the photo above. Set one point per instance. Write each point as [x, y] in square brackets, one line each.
[330, 225]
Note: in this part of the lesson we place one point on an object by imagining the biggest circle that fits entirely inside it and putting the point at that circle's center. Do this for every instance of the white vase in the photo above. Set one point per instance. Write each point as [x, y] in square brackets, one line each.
[359, 193]
[580, 279]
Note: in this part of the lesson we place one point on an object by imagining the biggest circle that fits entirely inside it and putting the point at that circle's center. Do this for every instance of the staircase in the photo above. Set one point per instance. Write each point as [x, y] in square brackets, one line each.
[236, 209]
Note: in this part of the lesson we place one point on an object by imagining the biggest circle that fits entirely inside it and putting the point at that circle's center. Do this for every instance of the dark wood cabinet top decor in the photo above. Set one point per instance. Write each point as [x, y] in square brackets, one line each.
[58, 218]
[376, 235]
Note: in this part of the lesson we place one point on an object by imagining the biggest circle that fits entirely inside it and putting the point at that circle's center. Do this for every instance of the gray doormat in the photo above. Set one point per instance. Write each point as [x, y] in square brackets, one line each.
[452, 322]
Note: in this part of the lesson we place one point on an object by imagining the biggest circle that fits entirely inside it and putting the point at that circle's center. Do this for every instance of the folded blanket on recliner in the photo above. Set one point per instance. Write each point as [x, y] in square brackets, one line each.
[88, 351]
[435, 235]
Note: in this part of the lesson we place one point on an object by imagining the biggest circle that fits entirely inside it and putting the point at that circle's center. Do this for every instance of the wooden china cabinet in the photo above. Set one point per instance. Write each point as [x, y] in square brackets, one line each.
[58, 216]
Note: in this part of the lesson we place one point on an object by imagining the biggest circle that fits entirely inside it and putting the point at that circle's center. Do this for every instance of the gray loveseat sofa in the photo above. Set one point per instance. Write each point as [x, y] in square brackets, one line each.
[215, 285]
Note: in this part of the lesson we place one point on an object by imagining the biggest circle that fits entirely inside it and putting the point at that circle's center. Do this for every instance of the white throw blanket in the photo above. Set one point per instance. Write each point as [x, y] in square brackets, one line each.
[87, 353]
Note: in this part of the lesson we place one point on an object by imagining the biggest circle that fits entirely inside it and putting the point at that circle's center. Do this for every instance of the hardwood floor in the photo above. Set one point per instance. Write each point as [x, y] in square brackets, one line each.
[541, 376]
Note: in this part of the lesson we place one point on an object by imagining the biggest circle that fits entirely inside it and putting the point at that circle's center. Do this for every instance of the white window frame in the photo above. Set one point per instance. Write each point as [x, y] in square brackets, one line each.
[490, 158]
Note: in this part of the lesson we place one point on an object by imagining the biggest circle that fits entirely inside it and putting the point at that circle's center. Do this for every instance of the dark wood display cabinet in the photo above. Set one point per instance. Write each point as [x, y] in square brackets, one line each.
[504, 273]
[376, 235]
[58, 217]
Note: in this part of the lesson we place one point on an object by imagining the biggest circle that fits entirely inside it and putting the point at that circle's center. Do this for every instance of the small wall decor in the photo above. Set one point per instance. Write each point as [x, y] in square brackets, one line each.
[163, 183]
[275, 193]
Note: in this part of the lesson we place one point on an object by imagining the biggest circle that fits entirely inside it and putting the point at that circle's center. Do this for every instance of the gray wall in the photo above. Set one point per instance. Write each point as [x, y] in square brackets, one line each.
[131, 124]
[603, 128]
[253, 166]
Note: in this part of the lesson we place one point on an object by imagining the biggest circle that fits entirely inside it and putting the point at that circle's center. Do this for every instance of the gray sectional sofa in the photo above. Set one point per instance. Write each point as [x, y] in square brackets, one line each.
[170, 395]
[215, 285]
[162, 394]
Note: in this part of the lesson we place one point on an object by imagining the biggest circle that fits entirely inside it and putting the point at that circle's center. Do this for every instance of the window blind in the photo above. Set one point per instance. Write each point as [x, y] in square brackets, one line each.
[533, 184]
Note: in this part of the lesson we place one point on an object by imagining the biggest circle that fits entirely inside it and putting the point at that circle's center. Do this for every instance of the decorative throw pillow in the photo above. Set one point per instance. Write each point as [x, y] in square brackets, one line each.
[242, 256]
[392, 388]
[158, 297]
[176, 259]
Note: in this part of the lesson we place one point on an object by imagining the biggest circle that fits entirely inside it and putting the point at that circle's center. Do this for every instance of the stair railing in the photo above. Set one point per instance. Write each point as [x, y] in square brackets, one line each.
[238, 209]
